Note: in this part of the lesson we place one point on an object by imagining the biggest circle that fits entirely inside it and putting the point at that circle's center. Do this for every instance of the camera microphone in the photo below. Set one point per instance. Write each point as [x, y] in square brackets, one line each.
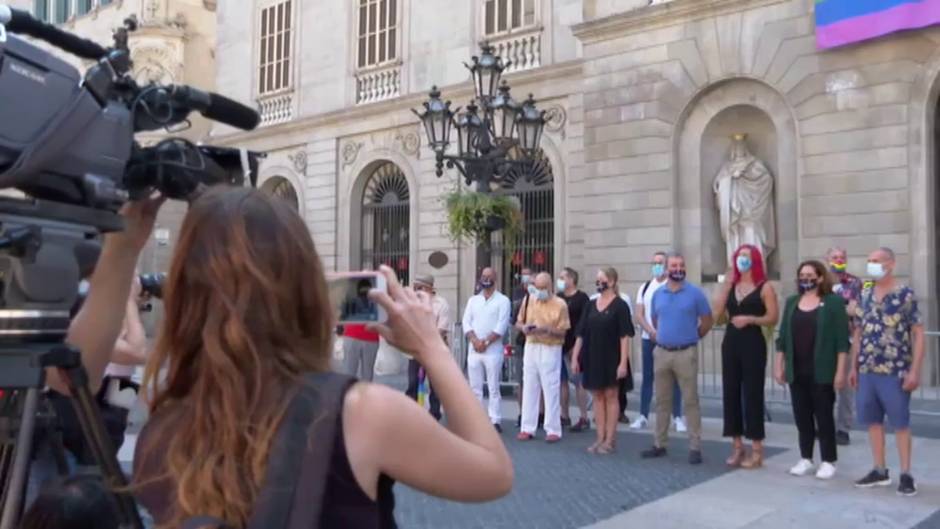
[216, 107]
[18, 21]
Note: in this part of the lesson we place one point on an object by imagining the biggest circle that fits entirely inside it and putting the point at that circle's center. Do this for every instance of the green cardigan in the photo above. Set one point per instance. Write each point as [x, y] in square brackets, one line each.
[832, 336]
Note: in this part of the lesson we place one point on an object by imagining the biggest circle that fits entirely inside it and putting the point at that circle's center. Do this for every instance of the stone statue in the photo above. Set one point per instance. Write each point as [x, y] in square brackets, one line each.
[744, 194]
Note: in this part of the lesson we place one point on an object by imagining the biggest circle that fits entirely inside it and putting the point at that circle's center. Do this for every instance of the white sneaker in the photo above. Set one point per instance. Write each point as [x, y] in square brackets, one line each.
[804, 467]
[826, 471]
[679, 423]
[640, 423]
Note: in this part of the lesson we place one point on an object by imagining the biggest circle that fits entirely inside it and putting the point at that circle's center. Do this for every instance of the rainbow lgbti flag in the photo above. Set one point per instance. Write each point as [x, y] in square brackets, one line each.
[840, 22]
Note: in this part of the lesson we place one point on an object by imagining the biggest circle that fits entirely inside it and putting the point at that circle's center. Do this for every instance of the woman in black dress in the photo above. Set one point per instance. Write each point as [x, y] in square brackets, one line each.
[602, 352]
[750, 303]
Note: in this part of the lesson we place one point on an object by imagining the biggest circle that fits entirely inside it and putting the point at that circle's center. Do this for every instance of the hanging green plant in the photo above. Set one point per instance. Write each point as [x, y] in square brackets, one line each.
[470, 215]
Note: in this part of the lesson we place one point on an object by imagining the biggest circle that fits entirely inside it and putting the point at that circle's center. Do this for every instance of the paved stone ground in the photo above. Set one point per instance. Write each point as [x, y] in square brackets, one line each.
[563, 487]
[930, 523]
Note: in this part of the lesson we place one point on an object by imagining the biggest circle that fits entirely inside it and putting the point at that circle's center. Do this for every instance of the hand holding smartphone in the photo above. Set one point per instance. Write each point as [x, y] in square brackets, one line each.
[349, 295]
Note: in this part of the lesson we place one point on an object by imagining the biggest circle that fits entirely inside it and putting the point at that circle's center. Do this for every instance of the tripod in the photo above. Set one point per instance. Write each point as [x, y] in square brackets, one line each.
[16, 431]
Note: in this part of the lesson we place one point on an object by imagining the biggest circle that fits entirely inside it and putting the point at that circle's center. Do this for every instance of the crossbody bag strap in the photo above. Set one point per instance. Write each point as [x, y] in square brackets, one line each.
[314, 469]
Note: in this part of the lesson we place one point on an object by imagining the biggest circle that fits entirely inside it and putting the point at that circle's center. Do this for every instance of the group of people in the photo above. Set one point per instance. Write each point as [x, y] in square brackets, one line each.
[839, 340]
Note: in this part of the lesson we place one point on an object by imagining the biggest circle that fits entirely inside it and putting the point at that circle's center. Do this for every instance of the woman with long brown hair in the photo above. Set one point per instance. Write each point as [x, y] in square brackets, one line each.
[602, 353]
[247, 316]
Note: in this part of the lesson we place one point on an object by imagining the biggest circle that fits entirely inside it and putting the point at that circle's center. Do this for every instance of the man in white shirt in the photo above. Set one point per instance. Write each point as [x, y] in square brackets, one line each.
[485, 322]
[644, 300]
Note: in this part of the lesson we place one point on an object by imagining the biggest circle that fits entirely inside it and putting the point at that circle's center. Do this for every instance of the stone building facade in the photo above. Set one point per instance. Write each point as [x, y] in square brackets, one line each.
[643, 100]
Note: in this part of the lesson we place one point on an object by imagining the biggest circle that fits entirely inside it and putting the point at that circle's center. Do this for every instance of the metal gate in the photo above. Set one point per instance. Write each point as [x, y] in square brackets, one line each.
[532, 185]
[386, 221]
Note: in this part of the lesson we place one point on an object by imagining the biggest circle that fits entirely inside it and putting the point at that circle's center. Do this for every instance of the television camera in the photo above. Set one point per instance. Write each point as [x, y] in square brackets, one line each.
[67, 143]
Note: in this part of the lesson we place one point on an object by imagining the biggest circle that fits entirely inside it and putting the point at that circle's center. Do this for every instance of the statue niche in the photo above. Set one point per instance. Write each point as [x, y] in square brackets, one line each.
[744, 197]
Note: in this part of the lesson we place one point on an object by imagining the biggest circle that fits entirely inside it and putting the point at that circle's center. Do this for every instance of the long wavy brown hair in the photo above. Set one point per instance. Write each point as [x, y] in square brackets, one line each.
[246, 314]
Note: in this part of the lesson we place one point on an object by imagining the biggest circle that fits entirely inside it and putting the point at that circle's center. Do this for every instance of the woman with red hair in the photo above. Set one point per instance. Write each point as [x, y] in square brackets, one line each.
[750, 303]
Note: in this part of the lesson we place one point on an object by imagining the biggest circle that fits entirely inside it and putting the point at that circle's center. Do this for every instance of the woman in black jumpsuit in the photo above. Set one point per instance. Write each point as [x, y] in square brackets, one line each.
[750, 303]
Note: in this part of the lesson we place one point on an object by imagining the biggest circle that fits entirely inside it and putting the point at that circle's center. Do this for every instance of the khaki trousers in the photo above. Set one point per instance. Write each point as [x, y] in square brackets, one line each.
[680, 367]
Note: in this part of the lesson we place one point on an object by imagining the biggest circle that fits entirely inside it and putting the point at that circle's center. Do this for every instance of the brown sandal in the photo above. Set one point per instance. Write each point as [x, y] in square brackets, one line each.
[755, 460]
[737, 456]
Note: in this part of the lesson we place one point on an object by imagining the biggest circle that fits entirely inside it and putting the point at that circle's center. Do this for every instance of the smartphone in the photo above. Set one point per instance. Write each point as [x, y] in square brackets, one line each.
[349, 297]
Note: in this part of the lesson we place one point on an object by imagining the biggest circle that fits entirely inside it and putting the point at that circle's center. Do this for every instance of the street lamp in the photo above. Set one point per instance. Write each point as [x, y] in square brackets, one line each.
[492, 126]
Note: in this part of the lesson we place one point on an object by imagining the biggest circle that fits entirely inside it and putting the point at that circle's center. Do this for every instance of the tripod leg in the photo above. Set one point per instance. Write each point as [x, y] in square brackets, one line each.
[13, 502]
[101, 447]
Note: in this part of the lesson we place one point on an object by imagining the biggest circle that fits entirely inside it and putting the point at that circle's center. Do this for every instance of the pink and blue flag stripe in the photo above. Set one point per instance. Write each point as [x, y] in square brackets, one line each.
[840, 22]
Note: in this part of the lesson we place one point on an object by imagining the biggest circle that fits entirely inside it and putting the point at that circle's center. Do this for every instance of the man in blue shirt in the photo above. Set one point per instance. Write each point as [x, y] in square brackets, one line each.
[681, 317]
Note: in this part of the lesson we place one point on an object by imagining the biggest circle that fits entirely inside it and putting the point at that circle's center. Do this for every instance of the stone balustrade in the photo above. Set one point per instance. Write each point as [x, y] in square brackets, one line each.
[378, 84]
[524, 49]
[277, 108]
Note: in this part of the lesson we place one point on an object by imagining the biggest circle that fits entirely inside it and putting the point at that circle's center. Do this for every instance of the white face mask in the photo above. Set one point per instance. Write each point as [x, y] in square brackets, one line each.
[83, 287]
[560, 285]
[876, 270]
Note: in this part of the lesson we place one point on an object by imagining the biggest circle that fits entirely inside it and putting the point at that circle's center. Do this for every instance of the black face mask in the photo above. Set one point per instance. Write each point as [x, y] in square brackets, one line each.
[486, 283]
[602, 286]
[806, 286]
[677, 275]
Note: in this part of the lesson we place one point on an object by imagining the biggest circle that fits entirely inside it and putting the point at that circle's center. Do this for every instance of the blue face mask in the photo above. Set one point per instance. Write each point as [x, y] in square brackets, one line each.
[534, 292]
[560, 285]
[658, 270]
[542, 295]
[744, 263]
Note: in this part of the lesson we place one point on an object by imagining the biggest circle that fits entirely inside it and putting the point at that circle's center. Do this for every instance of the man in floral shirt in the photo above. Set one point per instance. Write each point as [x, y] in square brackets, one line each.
[850, 288]
[888, 347]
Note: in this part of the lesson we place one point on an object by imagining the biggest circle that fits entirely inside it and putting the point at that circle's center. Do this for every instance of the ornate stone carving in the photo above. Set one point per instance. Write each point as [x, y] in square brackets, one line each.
[555, 118]
[744, 194]
[350, 152]
[156, 63]
[409, 141]
[299, 159]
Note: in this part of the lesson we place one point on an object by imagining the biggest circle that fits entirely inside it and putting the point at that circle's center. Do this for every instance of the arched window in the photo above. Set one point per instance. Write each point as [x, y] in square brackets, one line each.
[532, 184]
[386, 224]
[281, 187]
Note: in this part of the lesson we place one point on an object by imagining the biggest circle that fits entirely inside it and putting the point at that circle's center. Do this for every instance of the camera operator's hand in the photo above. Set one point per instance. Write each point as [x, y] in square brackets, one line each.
[411, 325]
[139, 219]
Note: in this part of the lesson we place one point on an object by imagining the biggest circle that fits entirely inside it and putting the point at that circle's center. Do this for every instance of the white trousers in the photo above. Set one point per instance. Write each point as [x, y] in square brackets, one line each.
[541, 373]
[486, 367]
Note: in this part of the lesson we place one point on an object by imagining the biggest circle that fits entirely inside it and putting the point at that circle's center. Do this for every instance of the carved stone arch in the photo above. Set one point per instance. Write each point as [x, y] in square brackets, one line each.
[761, 106]
[924, 160]
[276, 176]
[351, 194]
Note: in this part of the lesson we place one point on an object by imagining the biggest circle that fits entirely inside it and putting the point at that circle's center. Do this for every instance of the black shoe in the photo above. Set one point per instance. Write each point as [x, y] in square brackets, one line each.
[907, 486]
[653, 453]
[498, 427]
[695, 457]
[842, 438]
[565, 422]
[624, 419]
[874, 478]
[581, 426]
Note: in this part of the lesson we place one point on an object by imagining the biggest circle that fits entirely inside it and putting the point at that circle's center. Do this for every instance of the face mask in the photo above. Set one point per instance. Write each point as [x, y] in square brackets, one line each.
[542, 295]
[486, 283]
[83, 286]
[602, 286]
[838, 267]
[876, 270]
[744, 263]
[525, 279]
[806, 285]
[658, 270]
[677, 275]
[534, 292]
[560, 285]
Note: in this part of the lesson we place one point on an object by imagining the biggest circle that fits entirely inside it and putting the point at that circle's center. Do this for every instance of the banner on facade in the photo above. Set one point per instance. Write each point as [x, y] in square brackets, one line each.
[840, 22]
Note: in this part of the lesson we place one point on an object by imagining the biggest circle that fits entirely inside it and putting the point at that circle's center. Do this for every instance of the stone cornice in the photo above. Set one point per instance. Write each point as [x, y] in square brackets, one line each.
[349, 117]
[660, 15]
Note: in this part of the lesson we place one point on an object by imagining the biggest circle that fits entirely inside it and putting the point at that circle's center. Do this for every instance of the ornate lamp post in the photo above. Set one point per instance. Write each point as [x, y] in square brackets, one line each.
[492, 125]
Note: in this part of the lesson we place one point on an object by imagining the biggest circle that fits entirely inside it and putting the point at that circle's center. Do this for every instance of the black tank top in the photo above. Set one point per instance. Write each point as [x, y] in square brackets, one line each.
[345, 504]
[751, 305]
